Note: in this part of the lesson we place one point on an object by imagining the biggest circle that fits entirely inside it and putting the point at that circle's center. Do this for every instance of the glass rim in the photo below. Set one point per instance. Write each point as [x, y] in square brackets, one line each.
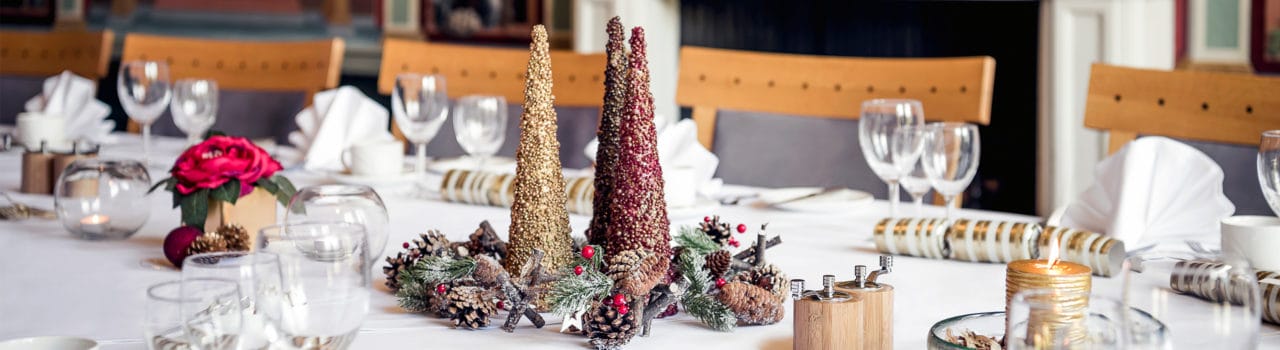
[886, 101]
[951, 124]
[472, 97]
[153, 292]
[357, 230]
[338, 189]
[270, 258]
[933, 334]
[181, 81]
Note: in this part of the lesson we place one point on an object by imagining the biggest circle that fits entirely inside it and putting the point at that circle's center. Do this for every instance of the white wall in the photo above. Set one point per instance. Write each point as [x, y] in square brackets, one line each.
[1073, 35]
[661, 22]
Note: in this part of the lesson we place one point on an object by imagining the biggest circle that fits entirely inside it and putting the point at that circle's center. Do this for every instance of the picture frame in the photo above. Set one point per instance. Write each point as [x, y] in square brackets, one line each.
[1217, 35]
[495, 21]
[1264, 42]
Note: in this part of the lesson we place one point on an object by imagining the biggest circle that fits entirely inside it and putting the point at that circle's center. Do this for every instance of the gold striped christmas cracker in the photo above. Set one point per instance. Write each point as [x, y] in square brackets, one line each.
[1101, 253]
[1269, 284]
[992, 241]
[922, 237]
[1204, 279]
[498, 189]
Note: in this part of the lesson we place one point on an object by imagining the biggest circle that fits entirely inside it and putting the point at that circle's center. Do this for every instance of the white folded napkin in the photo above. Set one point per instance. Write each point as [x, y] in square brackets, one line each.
[72, 97]
[1152, 189]
[338, 119]
[688, 169]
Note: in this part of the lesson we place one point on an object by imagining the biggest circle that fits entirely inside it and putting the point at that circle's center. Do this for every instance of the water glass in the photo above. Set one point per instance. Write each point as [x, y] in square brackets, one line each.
[907, 147]
[420, 106]
[1269, 168]
[355, 204]
[325, 274]
[143, 88]
[194, 107]
[1232, 321]
[196, 313]
[480, 123]
[879, 119]
[258, 277]
[950, 158]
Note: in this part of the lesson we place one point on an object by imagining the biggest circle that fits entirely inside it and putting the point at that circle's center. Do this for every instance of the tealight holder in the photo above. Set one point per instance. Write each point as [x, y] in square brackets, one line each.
[99, 199]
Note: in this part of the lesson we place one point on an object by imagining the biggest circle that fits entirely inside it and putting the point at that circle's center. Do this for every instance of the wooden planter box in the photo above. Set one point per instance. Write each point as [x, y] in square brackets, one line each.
[253, 212]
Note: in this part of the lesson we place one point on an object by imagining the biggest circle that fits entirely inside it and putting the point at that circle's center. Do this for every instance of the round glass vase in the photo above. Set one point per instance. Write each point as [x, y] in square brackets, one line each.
[100, 199]
[355, 204]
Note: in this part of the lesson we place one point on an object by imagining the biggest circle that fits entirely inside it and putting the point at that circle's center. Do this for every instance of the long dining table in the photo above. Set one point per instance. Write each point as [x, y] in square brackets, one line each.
[54, 284]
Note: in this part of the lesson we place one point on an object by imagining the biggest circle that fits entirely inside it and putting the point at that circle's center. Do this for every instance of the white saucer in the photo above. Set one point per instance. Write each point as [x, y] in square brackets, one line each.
[841, 200]
[49, 343]
[407, 176]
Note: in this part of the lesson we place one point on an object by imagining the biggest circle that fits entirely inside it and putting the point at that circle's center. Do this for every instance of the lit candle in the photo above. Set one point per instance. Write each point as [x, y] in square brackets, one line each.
[1070, 284]
[96, 223]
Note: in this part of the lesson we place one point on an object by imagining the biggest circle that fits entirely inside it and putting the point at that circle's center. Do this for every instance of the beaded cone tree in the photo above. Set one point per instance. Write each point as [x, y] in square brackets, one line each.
[615, 99]
[539, 218]
[638, 212]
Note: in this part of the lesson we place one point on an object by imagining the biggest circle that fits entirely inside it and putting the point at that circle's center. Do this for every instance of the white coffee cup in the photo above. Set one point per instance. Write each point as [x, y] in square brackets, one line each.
[34, 128]
[375, 158]
[1253, 238]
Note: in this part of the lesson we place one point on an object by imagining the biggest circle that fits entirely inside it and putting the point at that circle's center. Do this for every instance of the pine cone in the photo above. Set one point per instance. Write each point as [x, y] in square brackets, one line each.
[469, 307]
[432, 243]
[636, 271]
[718, 231]
[751, 304]
[236, 237]
[610, 330]
[208, 242]
[717, 263]
[768, 277]
[487, 270]
[397, 265]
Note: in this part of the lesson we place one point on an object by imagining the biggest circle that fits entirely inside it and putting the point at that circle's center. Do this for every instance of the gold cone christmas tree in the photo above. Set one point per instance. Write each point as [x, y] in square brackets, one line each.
[538, 215]
[638, 212]
[615, 99]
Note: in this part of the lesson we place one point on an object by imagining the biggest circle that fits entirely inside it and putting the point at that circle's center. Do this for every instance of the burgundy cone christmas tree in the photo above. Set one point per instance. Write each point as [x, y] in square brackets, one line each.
[615, 99]
[539, 218]
[638, 212]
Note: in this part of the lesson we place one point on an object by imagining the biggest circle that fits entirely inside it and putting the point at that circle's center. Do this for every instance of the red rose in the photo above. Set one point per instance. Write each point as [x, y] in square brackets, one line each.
[219, 159]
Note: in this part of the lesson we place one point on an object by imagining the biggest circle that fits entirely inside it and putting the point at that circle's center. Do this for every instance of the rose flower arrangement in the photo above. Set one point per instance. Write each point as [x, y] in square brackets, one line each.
[222, 168]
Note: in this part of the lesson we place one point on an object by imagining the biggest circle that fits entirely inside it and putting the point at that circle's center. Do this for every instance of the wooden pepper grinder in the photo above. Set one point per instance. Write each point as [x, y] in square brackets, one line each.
[37, 168]
[854, 314]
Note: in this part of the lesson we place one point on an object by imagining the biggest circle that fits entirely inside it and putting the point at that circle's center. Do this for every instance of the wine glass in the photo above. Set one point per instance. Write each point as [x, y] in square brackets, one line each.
[907, 146]
[879, 119]
[356, 204]
[1202, 303]
[258, 276]
[194, 107]
[950, 158]
[143, 88]
[1269, 168]
[324, 283]
[196, 313]
[420, 106]
[480, 123]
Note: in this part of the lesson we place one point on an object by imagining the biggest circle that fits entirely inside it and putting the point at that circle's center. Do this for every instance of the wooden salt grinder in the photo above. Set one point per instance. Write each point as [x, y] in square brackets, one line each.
[876, 300]
[36, 170]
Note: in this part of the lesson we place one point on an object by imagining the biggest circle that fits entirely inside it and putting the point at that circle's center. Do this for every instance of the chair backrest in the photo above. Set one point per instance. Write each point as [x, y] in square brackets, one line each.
[261, 66]
[951, 89]
[1204, 106]
[43, 54]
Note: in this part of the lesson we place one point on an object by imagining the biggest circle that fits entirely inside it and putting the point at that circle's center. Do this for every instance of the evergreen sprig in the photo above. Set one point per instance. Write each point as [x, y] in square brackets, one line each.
[571, 293]
[435, 269]
[696, 300]
[413, 296]
[692, 238]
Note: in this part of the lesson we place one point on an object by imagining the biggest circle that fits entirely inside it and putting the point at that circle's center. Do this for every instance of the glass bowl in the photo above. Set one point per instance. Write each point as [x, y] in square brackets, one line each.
[1144, 331]
[99, 199]
[356, 204]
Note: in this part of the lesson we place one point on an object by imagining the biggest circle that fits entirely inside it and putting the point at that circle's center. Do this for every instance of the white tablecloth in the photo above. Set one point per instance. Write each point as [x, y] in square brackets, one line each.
[53, 284]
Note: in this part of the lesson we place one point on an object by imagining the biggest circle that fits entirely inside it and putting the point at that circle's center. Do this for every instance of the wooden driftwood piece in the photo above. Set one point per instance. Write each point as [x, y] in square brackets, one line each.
[754, 256]
[518, 298]
[661, 297]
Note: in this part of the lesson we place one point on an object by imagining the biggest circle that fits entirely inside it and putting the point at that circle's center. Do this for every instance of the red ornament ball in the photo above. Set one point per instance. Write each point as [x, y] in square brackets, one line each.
[577, 270]
[619, 300]
[742, 228]
[405, 245]
[588, 252]
[720, 282]
[441, 288]
[706, 219]
[623, 309]
[176, 243]
[501, 305]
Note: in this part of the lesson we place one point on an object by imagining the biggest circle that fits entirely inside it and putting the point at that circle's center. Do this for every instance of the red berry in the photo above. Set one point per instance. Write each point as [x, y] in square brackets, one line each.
[441, 288]
[405, 245]
[733, 242]
[619, 300]
[623, 309]
[577, 270]
[706, 219]
[720, 282]
[501, 305]
[742, 228]
[588, 252]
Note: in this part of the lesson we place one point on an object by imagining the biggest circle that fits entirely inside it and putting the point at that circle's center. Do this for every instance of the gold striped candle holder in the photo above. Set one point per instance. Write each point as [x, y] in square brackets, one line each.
[1056, 295]
[1101, 253]
[992, 241]
[912, 236]
[498, 189]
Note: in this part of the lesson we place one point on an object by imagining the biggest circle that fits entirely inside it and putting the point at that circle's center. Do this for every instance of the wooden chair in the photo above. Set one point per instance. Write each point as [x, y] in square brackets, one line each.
[951, 89]
[293, 66]
[43, 54]
[1219, 107]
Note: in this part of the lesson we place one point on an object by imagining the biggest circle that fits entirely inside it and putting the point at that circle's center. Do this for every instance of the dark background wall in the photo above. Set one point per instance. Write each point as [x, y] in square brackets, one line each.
[1006, 30]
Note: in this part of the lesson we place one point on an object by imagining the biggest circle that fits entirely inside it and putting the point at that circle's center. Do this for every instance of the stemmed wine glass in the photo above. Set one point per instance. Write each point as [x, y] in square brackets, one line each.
[879, 119]
[908, 145]
[325, 283]
[194, 107]
[1269, 168]
[420, 106]
[480, 124]
[143, 88]
[950, 158]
